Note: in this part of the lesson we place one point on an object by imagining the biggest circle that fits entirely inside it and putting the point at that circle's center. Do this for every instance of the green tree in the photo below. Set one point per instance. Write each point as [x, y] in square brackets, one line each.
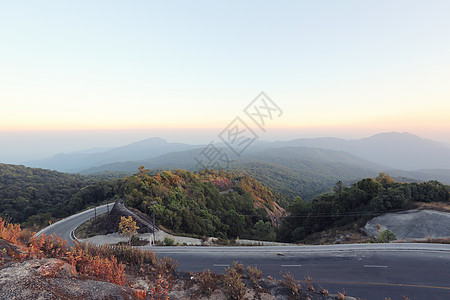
[264, 231]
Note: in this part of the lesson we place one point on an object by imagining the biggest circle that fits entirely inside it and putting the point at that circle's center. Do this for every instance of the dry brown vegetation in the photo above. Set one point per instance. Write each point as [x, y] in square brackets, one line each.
[140, 272]
[347, 234]
[439, 206]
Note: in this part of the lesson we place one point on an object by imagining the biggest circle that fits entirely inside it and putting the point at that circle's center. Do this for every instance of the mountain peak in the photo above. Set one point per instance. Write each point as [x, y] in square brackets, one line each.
[394, 134]
[152, 140]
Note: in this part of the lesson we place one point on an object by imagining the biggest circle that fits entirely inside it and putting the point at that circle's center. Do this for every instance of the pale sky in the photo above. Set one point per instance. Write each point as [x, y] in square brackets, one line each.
[160, 68]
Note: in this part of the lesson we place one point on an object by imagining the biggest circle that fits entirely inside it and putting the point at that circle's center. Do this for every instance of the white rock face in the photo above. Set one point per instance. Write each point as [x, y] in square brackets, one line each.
[412, 224]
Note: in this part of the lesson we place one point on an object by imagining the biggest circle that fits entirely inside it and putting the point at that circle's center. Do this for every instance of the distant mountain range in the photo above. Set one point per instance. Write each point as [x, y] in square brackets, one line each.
[77, 161]
[395, 150]
[303, 167]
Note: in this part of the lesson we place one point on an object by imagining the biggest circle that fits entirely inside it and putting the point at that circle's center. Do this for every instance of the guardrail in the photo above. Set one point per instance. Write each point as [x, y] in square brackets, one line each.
[43, 230]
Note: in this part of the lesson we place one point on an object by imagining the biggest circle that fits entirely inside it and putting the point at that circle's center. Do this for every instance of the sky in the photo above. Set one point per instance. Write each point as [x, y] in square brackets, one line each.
[82, 74]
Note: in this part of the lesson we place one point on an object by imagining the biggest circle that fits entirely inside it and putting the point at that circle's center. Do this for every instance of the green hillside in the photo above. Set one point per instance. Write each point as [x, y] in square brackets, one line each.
[36, 194]
[360, 202]
[291, 171]
[304, 172]
[207, 203]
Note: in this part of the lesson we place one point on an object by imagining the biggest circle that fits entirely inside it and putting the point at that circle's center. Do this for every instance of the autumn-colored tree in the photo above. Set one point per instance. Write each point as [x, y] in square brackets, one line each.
[128, 228]
[142, 171]
[385, 179]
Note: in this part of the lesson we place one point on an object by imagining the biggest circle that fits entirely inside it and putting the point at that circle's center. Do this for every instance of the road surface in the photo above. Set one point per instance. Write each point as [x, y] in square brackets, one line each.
[370, 271]
[65, 227]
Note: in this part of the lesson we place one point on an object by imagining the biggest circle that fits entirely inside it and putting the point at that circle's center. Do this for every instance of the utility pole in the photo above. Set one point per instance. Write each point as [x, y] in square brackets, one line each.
[154, 225]
[95, 212]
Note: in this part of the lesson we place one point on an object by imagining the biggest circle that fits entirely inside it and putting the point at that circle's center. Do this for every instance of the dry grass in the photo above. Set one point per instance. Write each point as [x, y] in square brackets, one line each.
[291, 284]
[102, 263]
[439, 206]
[347, 234]
[428, 240]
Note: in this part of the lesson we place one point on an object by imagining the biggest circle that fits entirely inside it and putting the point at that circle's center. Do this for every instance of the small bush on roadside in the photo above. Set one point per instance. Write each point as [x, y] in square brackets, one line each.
[166, 265]
[47, 246]
[254, 274]
[168, 241]
[238, 267]
[207, 282]
[386, 236]
[323, 291]
[13, 233]
[159, 289]
[103, 268]
[234, 287]
[291, 284]
[308, 283]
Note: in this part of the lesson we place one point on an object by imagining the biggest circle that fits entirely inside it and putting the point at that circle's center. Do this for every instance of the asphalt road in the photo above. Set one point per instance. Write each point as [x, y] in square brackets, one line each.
[370, 271]
[65, 227]
[362, 272]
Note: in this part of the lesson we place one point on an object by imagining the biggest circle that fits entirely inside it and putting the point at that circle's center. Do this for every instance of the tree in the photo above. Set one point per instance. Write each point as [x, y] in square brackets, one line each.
[385, 179]
[338, 188]
[264, 231]
[128, 228]
[370, 186]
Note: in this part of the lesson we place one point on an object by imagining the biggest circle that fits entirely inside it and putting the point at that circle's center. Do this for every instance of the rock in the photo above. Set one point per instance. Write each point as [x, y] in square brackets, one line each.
[57, 268]
[412, 224]
[54, 279]
[8, 252]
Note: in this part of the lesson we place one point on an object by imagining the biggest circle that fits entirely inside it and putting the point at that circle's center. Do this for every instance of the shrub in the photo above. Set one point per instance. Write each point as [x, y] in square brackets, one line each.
[323, 291]
[103, 268]
[308, 283]
[166, 265]
[386, 236]
[13, 233]
[160, 289]
[234, 287]
[238, 267]
[47, 246]
[88, 260]
[254, 274]
[292, 284]
[207, 282]
[169, 241]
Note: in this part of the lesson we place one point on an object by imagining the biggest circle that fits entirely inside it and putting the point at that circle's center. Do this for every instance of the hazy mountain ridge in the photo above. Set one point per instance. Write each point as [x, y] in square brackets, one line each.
[292, 171]
[309, 166]
[77, 161]
[396, 150]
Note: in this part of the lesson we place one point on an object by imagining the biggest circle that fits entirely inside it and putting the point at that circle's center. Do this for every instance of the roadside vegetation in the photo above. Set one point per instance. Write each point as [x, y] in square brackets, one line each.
[142, 272]
[357, 203]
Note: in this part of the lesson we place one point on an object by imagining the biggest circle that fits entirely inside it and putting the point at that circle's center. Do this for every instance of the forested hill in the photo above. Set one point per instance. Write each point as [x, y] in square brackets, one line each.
[361, 201]
[36, 193]
[208, 203]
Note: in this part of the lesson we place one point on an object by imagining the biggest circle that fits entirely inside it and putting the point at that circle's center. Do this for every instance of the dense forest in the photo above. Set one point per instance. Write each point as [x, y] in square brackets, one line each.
[36, 196]
[207, 203]
[363, 200]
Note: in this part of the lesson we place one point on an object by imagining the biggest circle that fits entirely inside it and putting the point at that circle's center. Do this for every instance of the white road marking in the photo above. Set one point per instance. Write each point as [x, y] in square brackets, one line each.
[291, 265]
[220, 265]
[374, 266]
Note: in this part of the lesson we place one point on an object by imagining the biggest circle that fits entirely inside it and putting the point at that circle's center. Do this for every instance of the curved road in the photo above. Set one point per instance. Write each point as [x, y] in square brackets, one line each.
[370, 271]
[65, 227]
